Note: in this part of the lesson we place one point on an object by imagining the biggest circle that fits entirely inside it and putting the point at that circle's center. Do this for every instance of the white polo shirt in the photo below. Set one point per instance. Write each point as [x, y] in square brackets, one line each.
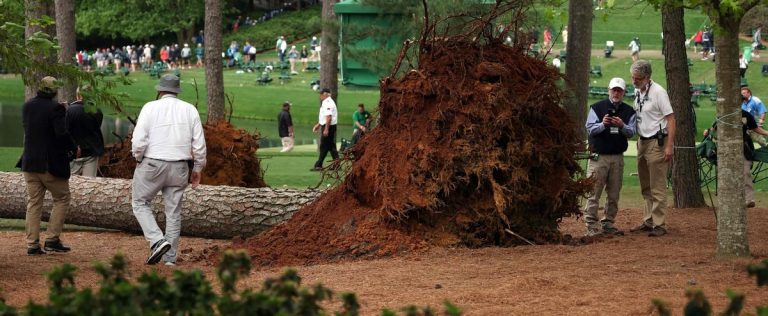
[651, 108]
[328, 107]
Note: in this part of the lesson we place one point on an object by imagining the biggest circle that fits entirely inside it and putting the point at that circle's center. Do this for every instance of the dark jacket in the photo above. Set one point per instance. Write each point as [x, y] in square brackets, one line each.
[85, 129]
[47, 145]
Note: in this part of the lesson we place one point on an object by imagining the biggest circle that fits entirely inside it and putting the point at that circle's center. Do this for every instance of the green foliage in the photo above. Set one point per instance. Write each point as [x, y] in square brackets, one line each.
[698, 305]
[189, 293]
[661, 307]
[137, 19]
[760, 271]
[294, 26]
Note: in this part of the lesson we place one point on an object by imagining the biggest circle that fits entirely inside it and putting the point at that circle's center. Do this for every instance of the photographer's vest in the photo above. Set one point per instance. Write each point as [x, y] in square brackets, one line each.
[606, 143]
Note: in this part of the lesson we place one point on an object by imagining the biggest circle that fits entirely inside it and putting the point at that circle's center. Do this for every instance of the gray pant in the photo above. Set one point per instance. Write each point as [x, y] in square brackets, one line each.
[606, 173]
[153, 176]
[85, 166]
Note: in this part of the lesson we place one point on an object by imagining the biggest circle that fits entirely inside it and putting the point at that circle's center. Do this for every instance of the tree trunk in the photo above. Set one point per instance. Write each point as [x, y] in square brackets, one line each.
[208, 211]
[34, 10]
[329, 51]
[214, 76]
[577, 66]
[731, 214]
[65, 31]
[686, 185]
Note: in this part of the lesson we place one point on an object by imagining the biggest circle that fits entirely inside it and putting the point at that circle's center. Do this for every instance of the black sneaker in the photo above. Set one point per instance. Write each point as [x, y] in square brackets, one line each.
[610, 230]
[657, 231]
[641, 228]
[157, 251]
[35, 251]
[316, 169]
[55, 246]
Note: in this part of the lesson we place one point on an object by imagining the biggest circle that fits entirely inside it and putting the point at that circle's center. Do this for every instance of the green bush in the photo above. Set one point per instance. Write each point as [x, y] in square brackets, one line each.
[698, 305]
[293, 25]
[189, 293]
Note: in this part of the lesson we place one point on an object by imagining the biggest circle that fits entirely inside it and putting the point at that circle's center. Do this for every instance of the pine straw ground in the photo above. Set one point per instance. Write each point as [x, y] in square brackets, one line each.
[617, 276]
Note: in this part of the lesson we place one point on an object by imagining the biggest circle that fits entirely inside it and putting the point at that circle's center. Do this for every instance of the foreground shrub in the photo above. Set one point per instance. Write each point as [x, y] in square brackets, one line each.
[189, 293]
[698, 305]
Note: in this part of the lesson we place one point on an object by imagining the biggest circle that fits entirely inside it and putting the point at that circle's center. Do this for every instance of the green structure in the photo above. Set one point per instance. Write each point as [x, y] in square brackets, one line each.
[354, 17]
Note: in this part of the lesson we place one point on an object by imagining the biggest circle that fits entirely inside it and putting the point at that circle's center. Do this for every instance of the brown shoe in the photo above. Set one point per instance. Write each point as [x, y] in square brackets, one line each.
[657, 231]
[641, 228]
[751, 204]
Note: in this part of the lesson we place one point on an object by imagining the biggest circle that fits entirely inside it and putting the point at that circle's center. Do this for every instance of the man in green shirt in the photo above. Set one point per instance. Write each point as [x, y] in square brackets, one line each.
[362, 121]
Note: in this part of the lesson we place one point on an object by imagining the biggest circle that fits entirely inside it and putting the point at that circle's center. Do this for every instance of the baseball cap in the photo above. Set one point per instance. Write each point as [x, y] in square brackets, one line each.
[617, 83]
[49, 84]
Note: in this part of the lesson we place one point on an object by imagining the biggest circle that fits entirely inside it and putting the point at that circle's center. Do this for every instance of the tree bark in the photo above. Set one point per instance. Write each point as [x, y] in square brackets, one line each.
[686, 184]
[208, 211]
[329, 51]
[579, 50]
[214, 76]
[34, 10]
[65, 31]
[731, 214]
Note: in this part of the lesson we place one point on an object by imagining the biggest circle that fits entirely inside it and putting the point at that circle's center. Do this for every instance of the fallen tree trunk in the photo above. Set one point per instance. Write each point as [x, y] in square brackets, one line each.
[208, 211]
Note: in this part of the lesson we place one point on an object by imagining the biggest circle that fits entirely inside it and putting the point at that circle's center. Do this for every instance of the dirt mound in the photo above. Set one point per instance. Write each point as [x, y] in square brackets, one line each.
[231, 158]
[470, 144]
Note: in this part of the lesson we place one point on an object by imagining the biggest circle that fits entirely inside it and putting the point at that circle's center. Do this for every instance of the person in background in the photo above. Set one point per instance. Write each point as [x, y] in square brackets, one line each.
[610, 123]
[362, 121]
[754, 106]
[84, 125]
[48, 149]
[326, 126]
[285, 127]
[634, 48]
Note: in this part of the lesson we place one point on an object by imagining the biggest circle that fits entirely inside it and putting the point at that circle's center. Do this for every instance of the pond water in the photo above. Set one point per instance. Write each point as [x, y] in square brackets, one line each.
[12, 130]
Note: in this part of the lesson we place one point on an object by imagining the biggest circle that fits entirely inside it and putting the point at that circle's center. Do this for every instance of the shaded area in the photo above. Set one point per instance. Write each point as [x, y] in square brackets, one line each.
[231, 158]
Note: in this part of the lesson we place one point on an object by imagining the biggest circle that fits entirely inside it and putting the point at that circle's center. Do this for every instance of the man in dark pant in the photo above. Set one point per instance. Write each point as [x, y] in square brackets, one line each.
[326, 125]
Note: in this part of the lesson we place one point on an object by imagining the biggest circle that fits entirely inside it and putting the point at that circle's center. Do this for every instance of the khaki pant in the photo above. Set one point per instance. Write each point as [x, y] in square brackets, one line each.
[606, 173]
[652, 170]
[287, 144]
[86, 166]
[37, 184]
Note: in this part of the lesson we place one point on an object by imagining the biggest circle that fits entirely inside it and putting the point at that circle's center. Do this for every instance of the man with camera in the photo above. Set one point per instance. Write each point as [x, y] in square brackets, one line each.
[610, 123]
[656, 130]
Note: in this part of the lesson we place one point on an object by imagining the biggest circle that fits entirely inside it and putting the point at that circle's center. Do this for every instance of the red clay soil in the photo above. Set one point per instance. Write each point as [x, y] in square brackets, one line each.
[471, 143]
[231, 158]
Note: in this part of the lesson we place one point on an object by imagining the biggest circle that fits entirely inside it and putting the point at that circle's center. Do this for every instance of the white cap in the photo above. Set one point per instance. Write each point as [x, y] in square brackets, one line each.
[617, 82]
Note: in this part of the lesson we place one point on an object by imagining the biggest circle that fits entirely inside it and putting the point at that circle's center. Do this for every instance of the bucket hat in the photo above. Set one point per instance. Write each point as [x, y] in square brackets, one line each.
[169, 83]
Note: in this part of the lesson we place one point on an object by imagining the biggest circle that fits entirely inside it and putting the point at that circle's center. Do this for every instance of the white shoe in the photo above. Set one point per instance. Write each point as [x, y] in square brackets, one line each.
[171, 264]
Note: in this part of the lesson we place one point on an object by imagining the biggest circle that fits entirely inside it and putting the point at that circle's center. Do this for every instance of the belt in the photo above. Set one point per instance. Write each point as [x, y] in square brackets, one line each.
[647, 138]
[164, 160]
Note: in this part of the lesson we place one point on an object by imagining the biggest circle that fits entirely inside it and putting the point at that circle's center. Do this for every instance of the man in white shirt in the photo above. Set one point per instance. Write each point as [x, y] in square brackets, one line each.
[656, 131]
[326, 125]
[168, 141]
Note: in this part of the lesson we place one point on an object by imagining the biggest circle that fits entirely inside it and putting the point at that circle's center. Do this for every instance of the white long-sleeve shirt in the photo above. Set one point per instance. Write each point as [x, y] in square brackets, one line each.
[169, 129]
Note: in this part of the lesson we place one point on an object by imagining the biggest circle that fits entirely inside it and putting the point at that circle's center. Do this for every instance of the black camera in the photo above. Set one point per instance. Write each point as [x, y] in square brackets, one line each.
[611, 112]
